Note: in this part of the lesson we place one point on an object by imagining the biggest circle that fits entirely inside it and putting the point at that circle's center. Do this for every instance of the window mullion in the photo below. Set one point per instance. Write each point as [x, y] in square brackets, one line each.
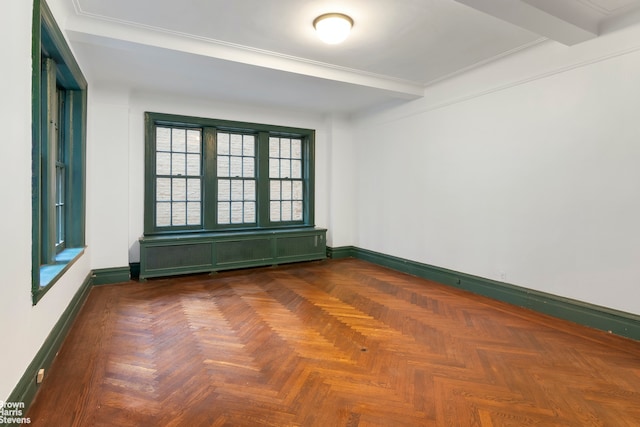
[308, 176]
[210, 186]
[262, 179]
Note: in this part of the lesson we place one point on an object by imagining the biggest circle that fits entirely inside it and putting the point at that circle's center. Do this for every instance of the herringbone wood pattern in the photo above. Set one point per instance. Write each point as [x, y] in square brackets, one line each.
[335, 343]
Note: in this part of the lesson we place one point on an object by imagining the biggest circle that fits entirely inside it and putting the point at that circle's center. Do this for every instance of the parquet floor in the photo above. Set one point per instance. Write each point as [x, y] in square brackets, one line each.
[333, 343]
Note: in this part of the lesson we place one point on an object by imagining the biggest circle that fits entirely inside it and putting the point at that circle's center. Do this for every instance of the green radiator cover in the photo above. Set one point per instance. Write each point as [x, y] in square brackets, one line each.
[195, 253]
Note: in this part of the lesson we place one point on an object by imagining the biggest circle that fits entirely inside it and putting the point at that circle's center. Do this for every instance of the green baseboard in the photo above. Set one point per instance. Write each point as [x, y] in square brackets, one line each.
[109, 276]
[341, 252]
[26, 388]
[598, 317]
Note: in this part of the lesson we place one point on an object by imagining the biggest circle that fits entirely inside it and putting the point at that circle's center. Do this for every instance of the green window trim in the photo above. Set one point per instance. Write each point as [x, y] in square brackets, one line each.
[253, 176]
[59, 111]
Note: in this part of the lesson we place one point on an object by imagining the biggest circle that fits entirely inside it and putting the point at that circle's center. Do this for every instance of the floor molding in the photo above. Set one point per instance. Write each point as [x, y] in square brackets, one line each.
[598, 317]
[341, 252]
[109, 276]
[26, 388]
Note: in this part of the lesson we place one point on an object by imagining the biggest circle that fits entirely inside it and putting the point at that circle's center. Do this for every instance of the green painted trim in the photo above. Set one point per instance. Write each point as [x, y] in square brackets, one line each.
[109, 276]
[26, 388]
[227, 125]
[36, 149]
[598, 317]
[50, 47]
[341, 252]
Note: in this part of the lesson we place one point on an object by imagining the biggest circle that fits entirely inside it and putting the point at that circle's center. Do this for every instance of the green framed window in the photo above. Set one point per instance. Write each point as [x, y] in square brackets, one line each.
[205, 175]
[178, 177]
[286, 185]
[59, 110]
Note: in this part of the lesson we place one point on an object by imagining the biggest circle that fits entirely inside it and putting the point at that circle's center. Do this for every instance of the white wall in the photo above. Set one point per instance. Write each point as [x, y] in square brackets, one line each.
[527, 175]
[108, 176]
[24, 327]
[340, 171]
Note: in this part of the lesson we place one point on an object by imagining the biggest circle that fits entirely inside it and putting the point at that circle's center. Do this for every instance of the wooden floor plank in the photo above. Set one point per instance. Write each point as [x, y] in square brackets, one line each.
[332, 343]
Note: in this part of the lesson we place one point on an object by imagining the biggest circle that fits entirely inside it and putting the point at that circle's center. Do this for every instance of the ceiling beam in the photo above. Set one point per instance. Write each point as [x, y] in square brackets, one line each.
[89, 30]
[561, 24]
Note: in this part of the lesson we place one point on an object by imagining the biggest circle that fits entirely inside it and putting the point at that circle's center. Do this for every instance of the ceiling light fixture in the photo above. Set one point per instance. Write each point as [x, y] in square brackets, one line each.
[333, 28]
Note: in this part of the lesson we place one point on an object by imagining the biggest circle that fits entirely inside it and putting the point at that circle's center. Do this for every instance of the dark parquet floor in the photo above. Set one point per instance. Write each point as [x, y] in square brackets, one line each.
[332, 343]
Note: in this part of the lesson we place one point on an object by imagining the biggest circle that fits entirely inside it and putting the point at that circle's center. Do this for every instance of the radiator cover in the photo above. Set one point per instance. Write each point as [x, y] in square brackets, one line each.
[169, 255]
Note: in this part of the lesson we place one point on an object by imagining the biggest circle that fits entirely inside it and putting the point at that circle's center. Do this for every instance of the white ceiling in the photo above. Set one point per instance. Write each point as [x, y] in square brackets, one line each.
[265, 52]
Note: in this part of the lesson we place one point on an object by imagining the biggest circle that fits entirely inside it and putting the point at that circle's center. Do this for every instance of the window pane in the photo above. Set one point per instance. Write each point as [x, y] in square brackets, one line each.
[248, 170]
[285, 168]
[193, 189]
[296, 169]
[179, 190]
[236, 189]
[297, 190]
[178, 164]
[224, 216]
[236, 212]
[274, 190]
[193, 141]
[274, 211]
[193, 213]
[178, 140]
[286, 190]
[248, 147]
[163, 189]
[163, 214]
[249, 190]
[236, 166]
[178, 214]
[249, 212]
[274, 147]
[163, 164]
[285, 148]
[297, 211]
[223, 143]
[193, 164]
[296, 149]
[163, 139]
[224, 190]
[236, 144]
[274, 168]
[180, 178]
[286, 211]
[223, 166]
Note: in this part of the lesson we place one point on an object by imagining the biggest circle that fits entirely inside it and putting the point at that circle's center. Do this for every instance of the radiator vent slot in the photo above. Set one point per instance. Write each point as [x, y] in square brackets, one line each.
[174, 256]
[243, 250]
[294, 246]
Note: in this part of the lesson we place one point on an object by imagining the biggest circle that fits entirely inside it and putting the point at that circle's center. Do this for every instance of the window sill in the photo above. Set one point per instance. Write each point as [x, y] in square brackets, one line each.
[50, 273]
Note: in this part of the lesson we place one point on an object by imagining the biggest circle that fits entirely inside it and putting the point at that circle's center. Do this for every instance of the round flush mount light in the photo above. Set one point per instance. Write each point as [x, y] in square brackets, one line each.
[333, 28]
